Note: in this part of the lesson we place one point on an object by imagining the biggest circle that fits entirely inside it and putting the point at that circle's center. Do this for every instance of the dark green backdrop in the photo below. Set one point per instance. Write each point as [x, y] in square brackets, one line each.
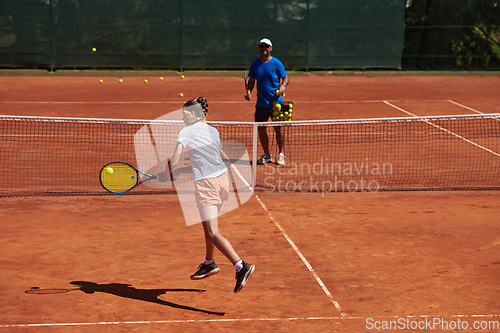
[200, 34]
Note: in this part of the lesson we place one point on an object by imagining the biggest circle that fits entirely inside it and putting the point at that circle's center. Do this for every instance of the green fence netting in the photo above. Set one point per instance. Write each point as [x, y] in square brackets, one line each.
[452, 34]
[200, 34]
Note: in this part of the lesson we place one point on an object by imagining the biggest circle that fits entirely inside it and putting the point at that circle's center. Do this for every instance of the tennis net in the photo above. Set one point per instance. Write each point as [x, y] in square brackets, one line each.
[64, 156]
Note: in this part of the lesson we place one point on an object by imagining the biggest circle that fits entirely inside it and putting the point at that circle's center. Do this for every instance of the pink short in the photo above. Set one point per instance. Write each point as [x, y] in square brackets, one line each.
[211, 191]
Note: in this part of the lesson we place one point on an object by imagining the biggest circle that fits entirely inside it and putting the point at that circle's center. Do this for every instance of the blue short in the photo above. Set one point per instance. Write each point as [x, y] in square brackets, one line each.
[262, 114]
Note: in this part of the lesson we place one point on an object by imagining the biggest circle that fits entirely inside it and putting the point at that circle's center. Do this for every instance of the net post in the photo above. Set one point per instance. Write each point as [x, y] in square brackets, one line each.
[254, 155]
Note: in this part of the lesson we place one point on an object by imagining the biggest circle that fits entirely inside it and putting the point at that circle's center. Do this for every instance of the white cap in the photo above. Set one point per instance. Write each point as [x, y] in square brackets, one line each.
[266, 41]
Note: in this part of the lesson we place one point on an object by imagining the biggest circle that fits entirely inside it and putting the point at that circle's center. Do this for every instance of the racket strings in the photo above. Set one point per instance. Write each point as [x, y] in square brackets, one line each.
[122, 177]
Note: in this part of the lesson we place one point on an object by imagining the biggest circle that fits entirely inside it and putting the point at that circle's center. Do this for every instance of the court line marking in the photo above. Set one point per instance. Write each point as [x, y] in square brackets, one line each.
[302, 257]
[170, 321]
[469, 108]
[217, 102]
[445, 130]
[466, 107]
[235, 320]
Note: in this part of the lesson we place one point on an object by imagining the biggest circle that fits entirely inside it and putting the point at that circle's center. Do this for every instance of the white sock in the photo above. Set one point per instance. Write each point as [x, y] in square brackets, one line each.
[238, 265]
[208, 262]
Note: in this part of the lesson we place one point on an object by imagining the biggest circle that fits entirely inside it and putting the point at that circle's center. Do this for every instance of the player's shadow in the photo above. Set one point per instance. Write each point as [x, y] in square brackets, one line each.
[146, 295]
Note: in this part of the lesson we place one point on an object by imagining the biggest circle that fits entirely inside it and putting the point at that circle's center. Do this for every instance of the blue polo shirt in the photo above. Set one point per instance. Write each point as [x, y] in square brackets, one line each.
[268, 75]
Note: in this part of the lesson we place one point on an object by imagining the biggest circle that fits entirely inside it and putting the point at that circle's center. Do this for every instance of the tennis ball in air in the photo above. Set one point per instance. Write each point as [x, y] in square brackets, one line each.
[182, 76]
[109, 170]
[101, 81]
[161, 78]
[146, 81]
[181, 95]
[120, 80]
[94, 49]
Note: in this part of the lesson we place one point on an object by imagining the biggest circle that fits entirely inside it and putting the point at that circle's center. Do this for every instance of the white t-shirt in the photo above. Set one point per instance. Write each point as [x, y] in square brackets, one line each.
[204, 145]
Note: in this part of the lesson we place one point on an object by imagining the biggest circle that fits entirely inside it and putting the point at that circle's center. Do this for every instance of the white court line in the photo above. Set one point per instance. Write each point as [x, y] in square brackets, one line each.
[445, 130]
[168, 321]
[304, 260]
[465, 107]
[236, 320]
[217, 102]
[468, 108]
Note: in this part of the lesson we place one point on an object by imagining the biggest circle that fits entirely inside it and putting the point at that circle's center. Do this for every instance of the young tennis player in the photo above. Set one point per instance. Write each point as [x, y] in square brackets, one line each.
[211, 186]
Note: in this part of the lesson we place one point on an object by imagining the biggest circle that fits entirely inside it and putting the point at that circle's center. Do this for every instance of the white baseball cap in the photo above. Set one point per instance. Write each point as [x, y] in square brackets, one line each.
[266, 41]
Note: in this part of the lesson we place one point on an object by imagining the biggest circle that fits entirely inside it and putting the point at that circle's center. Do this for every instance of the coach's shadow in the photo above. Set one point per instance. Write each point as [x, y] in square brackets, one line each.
[147, 295]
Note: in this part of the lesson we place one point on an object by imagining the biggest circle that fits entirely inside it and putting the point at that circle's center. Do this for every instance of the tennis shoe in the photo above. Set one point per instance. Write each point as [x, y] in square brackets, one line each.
[264, 159]
[243, 275]
[281, 159]
[205, 271]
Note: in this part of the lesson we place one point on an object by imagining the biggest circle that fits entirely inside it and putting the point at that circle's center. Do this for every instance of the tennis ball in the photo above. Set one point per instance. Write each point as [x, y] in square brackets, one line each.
[101, 81]
[94, 49]
[290, 106]
[181, 94]
[161, 78]
[109, 170]
[278, 107]
[182, 76]
[146, 81]
[277, 92]
[120, 80]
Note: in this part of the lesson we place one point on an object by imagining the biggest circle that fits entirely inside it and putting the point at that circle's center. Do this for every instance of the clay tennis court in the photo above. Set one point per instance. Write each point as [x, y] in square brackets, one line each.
[325, 262]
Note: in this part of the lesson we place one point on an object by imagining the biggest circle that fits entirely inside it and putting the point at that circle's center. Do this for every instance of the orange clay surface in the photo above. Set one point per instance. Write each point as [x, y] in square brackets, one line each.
[334, 262]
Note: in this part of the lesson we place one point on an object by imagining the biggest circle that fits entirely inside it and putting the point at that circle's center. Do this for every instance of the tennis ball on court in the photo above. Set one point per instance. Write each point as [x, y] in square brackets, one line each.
[109, 170]
[120, 80]
[161, 78]
[94, 49]
[181, 95]
[146, 81]
[101, 81]
[182, 76]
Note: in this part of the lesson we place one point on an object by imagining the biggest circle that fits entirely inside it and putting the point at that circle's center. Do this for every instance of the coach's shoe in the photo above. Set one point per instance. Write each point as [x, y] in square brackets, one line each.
[264, 159]
[281, 159]
[243, 275]
[205, 271]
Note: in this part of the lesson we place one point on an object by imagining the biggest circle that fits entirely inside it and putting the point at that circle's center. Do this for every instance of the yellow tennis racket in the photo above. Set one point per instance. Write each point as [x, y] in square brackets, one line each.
[121, 177]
